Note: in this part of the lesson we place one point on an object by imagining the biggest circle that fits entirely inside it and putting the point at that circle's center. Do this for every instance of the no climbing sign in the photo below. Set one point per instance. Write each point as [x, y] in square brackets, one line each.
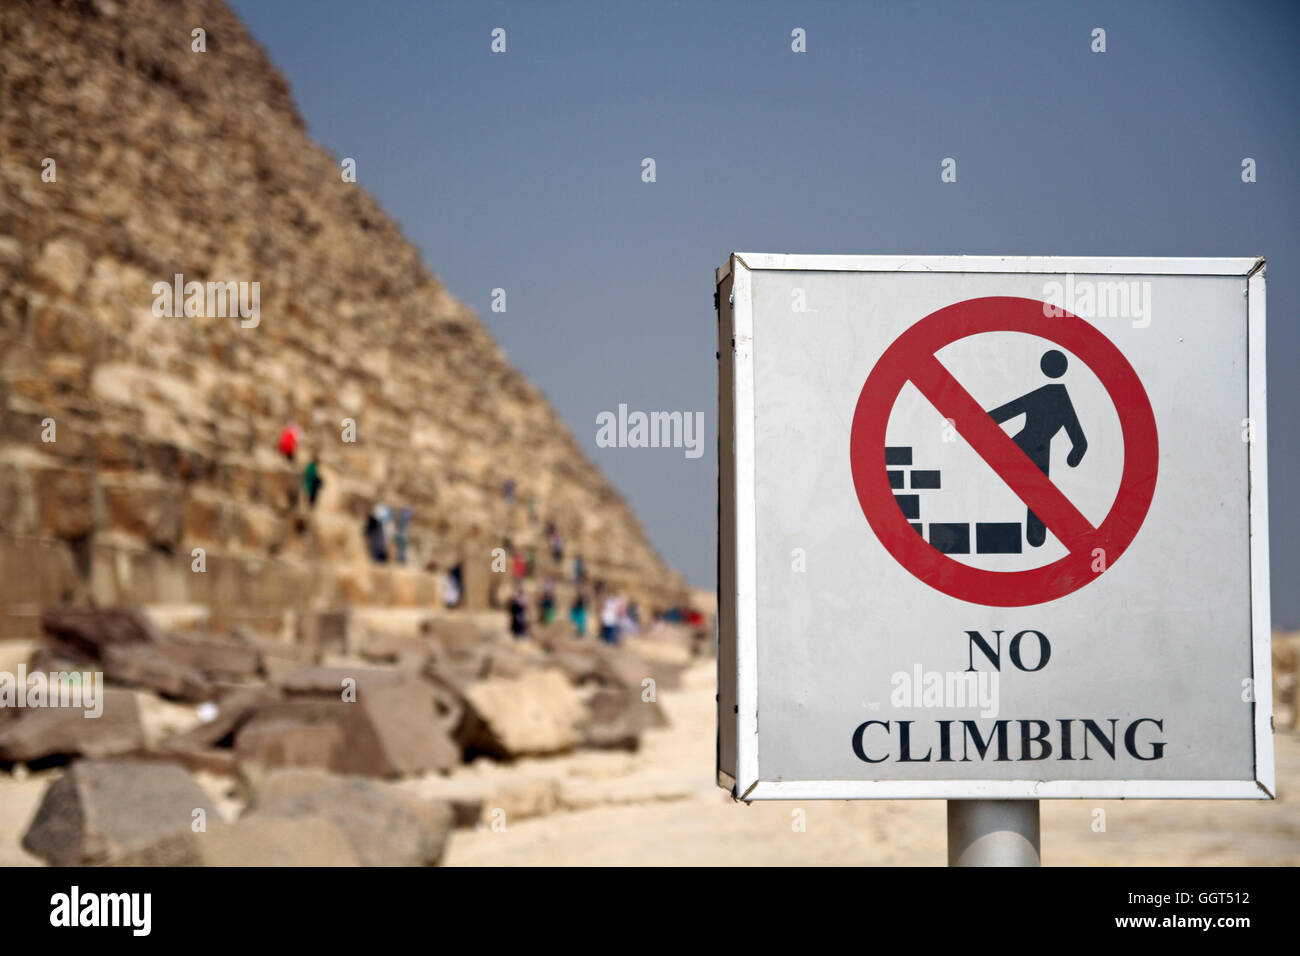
[1091, 550]
[992, 527]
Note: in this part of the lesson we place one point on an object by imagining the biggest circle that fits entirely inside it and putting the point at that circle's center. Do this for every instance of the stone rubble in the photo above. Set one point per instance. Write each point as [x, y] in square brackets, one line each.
[328, 741]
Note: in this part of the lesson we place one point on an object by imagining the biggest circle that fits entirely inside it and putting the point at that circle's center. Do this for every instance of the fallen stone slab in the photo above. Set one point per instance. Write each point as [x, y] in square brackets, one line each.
[395, 725]
[96, 810]
[84, 632]
[617, 717]
[395, 730]
[143, 665]
[391, 728]
[131, 650]
[383, 825]
[369, 721]
[536, 713]
[41, 732]
[214, 658]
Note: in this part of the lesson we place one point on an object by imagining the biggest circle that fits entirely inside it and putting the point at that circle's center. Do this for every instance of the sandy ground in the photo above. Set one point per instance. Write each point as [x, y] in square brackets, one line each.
[661, 807]
[667, 811]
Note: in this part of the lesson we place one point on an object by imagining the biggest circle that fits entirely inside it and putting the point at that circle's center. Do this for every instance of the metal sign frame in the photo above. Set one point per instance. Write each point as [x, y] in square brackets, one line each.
[738, 704]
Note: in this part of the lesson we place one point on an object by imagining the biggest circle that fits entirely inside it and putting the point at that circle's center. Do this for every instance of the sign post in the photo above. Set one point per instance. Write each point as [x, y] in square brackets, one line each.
[992, 530]
[993, 833]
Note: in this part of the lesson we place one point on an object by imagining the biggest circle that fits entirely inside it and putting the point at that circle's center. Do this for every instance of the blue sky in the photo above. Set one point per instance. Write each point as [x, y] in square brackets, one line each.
[523, 171]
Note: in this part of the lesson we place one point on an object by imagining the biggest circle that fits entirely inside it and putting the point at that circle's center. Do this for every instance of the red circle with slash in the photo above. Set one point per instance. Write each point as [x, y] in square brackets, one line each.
[911, 358]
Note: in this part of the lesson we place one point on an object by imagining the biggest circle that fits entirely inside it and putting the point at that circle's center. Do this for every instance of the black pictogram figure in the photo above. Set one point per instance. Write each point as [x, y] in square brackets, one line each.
[1047, 410]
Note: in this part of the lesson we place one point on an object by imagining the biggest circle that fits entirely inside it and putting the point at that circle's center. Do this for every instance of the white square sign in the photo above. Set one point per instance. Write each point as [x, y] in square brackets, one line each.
[992, 528]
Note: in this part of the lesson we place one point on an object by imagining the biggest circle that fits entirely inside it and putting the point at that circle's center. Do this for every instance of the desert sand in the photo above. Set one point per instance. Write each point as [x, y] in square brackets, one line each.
[660, 807]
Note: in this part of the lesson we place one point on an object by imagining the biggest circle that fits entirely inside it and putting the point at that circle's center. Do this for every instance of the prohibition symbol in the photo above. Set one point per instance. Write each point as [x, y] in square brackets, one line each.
[911, 358]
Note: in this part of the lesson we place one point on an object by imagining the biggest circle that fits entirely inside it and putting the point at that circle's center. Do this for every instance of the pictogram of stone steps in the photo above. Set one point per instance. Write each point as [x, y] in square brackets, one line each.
[948, 537]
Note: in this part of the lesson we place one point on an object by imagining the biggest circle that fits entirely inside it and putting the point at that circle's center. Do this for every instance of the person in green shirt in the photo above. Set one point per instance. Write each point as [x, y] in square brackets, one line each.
[312, 481]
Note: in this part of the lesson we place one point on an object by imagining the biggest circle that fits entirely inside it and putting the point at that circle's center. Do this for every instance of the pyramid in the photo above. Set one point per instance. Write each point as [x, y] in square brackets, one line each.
[140, 426]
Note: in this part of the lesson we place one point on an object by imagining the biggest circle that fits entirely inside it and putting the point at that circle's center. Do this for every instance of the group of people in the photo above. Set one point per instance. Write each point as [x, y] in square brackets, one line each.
[387, 537]
[616, 616]
[619, 617]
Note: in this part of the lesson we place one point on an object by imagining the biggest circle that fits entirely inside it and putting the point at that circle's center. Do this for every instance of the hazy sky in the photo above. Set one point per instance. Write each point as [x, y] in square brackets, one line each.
[522, 171]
